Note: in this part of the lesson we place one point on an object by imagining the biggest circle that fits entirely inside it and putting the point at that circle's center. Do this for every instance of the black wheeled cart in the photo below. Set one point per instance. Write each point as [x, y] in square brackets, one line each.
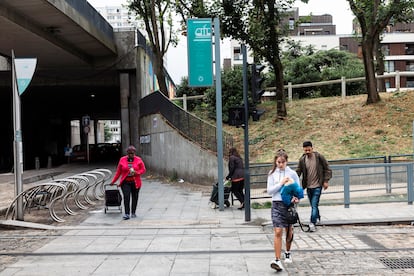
[214, 196]
[113, 197]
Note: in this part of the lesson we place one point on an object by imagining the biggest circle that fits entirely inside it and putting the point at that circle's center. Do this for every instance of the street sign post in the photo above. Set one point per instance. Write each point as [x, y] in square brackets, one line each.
[22, 73]
[200, 55]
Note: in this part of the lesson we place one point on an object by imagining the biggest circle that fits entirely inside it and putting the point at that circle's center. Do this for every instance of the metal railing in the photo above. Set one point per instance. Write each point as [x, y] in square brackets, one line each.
[86, 187]
[188, 125]
[353, 183]
[343, 81]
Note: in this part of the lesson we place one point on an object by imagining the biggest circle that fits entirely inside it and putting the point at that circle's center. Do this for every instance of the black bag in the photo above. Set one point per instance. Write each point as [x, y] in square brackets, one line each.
[292, 216]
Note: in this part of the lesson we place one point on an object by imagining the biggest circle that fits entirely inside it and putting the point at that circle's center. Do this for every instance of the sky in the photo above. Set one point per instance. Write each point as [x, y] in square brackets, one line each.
[177, 57]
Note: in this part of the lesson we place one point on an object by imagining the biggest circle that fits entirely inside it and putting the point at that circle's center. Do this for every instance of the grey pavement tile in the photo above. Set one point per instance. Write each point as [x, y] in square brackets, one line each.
[198, 231]
[200, 243]
[132, 244]
[164, 243]
[67, 244]
[225, 243]
[117, 265]
[154, 264]
[251, 242]
[190, 266]
[104, 244]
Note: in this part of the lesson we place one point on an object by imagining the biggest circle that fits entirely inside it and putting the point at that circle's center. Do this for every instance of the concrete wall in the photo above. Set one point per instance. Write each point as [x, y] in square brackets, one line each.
[165, 151]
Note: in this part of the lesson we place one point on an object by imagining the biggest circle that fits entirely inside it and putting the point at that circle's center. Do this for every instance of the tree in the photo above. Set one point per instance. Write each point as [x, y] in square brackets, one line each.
[373, 16]
[183, 88]
[260, 24]
[302, 65]
[107, 133]
[232, 92]
[157, 18]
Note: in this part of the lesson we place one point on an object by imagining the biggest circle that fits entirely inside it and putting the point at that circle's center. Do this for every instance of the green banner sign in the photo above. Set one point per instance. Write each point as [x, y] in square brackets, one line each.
[200, 54]
[25, 68]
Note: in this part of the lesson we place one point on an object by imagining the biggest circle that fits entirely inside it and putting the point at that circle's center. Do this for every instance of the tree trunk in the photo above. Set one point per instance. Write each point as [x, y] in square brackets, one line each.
[380, 66]
[280, 91]
[158, 65]
[371, 82]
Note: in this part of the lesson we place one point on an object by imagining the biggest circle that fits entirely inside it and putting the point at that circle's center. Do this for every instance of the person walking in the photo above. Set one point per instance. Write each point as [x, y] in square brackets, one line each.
[281, 175]
[236, 175]
[315, 172]
[129, 169]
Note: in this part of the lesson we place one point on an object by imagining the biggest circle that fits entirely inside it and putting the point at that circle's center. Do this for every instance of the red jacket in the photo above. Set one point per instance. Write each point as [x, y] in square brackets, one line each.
[123, 170]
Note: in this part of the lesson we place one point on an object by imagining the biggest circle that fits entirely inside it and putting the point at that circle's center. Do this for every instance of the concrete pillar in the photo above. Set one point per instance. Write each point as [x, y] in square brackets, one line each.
[134, 111]
[124, 94]
[37, 163]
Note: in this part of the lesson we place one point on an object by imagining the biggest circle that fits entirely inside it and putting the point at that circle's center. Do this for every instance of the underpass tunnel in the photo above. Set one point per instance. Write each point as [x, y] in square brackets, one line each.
[46, 115]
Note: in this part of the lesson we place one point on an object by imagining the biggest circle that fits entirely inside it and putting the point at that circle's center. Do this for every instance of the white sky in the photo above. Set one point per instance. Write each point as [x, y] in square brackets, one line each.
[177, 57]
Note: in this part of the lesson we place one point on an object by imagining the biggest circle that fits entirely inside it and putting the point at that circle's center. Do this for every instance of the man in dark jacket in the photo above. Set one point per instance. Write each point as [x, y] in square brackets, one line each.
[315, 173]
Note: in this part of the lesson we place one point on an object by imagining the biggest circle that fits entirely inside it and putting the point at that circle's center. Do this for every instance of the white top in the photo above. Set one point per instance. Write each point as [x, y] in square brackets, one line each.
[273, 182]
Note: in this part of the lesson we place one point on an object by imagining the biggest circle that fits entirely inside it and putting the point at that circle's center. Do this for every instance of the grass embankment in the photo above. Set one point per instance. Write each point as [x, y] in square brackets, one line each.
[339, 128]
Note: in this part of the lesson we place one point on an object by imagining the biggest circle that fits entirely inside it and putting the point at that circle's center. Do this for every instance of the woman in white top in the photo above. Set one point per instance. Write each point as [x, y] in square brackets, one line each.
[279, 176]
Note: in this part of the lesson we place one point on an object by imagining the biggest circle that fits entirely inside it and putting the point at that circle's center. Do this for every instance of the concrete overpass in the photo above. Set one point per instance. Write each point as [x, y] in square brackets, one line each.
[84, 67]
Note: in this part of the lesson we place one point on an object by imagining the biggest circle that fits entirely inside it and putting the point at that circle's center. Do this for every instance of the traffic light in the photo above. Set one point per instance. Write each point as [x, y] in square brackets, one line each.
[256, 113]
[257, 81]
[236, 116]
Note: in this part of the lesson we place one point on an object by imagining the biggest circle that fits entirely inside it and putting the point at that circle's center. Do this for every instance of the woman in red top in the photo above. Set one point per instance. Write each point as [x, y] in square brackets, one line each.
[130, 168]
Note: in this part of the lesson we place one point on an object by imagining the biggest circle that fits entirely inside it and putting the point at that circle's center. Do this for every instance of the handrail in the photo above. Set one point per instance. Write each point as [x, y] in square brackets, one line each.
[188, 125]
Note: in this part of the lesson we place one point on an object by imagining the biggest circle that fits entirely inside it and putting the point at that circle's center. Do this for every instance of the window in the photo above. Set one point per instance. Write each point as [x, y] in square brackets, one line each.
[409, 49]
[410, 82]
[291, 24]
[389, 66]
[237, 53]
[386, 50]
[387, 84]
[409, 66]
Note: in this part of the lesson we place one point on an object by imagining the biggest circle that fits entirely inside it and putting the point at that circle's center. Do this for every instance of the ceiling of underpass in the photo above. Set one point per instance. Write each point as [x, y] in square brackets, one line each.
[76, 72]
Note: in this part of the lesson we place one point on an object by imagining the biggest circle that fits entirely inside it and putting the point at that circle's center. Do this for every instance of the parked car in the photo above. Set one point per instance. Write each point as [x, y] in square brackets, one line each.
[97, 152]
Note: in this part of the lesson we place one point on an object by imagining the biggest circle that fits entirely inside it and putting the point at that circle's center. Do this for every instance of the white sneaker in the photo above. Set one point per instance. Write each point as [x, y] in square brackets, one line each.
[276, 265]
[312, 227]
[288, 257]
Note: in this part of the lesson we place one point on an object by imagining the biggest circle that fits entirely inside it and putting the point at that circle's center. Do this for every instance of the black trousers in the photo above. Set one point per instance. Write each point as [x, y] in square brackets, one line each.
[237, 190]
[130, 193]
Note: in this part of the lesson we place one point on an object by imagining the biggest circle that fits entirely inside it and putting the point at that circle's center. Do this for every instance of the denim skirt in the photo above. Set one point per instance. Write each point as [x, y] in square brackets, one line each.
[279, 211]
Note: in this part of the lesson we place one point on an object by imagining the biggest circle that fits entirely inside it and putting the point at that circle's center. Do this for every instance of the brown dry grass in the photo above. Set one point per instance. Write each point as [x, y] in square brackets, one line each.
[339, 128]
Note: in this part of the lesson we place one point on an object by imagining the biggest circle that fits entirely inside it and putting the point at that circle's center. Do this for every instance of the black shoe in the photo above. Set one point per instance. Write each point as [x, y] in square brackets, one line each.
[241, 206]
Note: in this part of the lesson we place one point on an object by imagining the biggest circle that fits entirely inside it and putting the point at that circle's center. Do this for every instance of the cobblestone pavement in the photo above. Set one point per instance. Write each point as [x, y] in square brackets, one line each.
[353, 250]
[177, 234]
[346, 250]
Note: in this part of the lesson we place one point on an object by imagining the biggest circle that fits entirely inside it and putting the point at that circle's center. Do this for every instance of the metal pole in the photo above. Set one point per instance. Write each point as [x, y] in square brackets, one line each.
[18, 147]
[247, 215]
[219, 120]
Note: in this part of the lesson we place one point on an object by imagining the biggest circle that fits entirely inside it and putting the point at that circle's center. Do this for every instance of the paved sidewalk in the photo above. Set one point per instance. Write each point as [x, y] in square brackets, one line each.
[176, 233]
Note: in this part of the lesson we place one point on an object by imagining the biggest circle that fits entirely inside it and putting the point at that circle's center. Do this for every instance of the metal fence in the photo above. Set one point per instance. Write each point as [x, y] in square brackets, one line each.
[353, 183]
[188, 125]
[343, 81]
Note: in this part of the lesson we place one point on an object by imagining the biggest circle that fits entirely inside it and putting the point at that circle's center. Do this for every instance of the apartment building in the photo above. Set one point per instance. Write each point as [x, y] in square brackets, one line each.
[117, 16]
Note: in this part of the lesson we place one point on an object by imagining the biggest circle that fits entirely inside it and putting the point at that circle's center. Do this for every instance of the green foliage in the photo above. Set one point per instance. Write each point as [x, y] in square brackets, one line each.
[373, 17]
[264, 205]
[256, 140]
[262, 26]
[303, 65]
[174, 176]
[183, 88]
[107, 133]
[232, 92]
